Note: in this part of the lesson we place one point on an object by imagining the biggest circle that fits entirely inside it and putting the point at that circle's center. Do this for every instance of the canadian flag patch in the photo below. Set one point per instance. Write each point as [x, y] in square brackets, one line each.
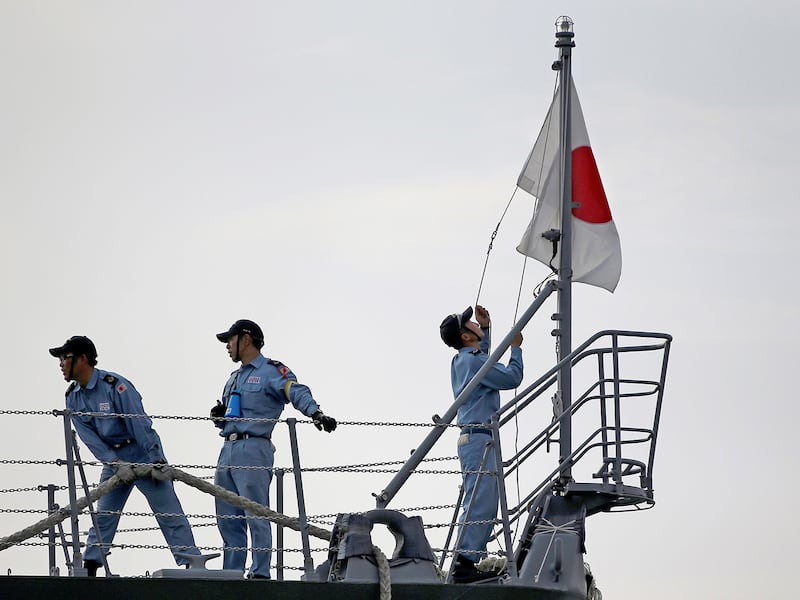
[121, 388]
[283, 370]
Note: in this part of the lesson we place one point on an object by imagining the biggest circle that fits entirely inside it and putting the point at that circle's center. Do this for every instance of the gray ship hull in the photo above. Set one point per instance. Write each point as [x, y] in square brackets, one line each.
[123, 588]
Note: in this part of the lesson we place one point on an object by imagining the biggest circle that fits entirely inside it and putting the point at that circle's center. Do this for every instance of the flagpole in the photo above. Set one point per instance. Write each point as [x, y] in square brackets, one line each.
[565, 43]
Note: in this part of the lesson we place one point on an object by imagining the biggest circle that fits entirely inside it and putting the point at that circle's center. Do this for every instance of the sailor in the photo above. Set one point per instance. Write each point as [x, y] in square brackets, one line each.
[472, 340]
[258, 389]
[117, 441]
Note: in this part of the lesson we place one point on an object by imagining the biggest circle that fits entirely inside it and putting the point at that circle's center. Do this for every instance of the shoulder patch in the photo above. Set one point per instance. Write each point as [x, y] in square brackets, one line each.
[282, 368]
[110, 379]
[70, 388]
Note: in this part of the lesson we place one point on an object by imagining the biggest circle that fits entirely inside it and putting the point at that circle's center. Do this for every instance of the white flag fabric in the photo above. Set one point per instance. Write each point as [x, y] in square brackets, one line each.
[596, 252]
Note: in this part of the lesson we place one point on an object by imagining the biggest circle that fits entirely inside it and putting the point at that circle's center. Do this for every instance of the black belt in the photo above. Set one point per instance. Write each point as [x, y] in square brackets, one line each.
[476, 430]
[232, 437]
[118, 445]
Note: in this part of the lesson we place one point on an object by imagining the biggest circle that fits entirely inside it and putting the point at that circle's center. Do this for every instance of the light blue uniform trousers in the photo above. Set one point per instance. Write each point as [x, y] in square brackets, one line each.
[480, 491]
[254, 485]
[160, 496]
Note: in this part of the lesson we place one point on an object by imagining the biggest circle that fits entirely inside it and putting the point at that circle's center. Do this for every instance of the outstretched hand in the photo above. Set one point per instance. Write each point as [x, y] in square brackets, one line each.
[124, 471]
[322, 421]
[159, 471]
[482, 316]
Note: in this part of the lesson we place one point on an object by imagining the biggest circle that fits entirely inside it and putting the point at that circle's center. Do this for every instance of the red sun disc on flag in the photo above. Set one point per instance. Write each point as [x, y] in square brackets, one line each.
[587, 188]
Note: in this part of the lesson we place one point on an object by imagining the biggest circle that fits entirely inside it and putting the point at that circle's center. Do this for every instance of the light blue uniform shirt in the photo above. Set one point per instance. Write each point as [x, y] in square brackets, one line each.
[110, 393]
[266, 386]
[485, 400]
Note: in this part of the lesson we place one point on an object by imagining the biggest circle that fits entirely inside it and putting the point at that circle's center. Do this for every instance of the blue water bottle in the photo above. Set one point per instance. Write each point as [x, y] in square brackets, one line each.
[234, 404]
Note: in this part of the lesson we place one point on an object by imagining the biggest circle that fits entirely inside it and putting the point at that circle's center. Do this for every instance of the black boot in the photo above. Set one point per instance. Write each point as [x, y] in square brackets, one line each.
[91, 567]
[464, 571]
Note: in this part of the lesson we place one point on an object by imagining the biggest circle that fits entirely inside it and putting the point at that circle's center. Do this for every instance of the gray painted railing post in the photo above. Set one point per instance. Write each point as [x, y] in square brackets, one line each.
[76, 566]
[279, 473]
[51, 532]
[308, 563]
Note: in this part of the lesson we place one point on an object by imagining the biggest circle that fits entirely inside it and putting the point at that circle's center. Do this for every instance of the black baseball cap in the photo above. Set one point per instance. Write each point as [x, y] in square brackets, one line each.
[451, 327]
[77, 344]
[242, 326]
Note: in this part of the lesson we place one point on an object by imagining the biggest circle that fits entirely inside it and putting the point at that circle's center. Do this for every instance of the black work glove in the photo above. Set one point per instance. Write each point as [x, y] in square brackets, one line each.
[322, 421]
[218, 410]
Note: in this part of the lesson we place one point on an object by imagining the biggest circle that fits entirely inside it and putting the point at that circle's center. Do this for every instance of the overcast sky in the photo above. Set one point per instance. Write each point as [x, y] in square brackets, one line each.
[334, 171]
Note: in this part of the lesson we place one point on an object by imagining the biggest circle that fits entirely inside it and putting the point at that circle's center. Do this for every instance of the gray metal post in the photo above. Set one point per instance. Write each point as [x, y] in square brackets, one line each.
[90, 506]
[657, 416]
[63, 538]
[564, 42]
[308, 563]
[51, 532]
[279, 473]
[382, 500]
[452, 527]
[501, 488]
[76, 568]
[617, 415]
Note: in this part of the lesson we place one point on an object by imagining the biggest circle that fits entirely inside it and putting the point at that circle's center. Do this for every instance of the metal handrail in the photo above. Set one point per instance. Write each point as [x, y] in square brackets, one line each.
[383, 498]
[608, 437]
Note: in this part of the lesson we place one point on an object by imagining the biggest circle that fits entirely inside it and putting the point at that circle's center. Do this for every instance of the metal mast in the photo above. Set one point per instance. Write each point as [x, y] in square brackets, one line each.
[563, 333]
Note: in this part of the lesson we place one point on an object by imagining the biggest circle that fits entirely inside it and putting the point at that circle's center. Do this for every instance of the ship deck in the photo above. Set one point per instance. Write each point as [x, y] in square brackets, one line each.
[122, 588]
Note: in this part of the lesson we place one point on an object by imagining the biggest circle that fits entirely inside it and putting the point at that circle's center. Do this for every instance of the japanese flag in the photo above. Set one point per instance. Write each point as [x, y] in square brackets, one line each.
[596, 253]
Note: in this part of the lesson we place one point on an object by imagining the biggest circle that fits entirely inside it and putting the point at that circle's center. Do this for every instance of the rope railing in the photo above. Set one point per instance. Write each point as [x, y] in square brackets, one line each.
[316, 523]
[59, 412]
[143, 470]
[166, 472]
[38, 488]
[330, 469]
[310, 518]
[320, 550]
[126, 475]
